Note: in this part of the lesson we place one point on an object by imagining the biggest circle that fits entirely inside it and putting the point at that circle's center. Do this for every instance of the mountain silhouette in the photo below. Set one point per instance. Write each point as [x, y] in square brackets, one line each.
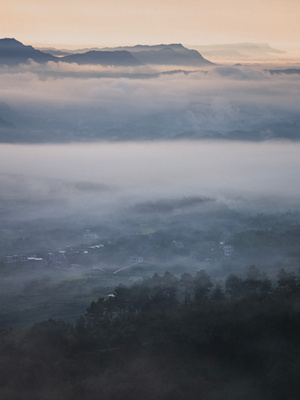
[117, 58]
[166, 54]
[13, 52]
[239, 50]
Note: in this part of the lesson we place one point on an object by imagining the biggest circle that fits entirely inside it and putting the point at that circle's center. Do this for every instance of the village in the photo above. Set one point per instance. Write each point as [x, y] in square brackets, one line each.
[51, 271]
[94, 256]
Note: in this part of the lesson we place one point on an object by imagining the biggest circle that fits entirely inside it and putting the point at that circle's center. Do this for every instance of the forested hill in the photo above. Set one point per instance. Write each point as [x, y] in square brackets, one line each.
[166, 338]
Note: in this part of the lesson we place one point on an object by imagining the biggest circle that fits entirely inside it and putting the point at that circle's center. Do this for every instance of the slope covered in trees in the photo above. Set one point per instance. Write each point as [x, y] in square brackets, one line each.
[167, 338]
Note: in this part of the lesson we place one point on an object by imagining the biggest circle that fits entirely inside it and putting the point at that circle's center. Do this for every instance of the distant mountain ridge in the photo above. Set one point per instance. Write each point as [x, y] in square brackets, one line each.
[147, 47]
[165, 54]
[13, 52]
[117, 58]
[239, 50]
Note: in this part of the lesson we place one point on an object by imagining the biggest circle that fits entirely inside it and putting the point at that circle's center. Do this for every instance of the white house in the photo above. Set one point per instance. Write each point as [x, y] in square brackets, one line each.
[136, 259]
[228, 249]
[90, 235]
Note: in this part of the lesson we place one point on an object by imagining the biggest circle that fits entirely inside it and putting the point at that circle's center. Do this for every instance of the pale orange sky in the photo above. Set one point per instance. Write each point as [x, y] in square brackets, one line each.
[118, 22]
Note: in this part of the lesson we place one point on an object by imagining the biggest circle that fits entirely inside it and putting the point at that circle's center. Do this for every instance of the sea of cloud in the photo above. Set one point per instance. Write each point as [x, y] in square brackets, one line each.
[60, 98]
[96, 176]
[220, 99]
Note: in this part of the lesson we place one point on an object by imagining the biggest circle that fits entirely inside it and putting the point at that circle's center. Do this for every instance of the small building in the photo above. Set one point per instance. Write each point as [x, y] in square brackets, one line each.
[178, 244]
[36, 262]
[89, 235]
[136, 259]
[18, 258]
[228, 250]
[11, 259]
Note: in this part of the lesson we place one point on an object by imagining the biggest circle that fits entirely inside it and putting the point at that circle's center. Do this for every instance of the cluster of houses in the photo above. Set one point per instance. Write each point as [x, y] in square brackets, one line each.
[24, 258]
[69, 256]
[59, 258]
[136, 259]
[227, 249]
[88, 234]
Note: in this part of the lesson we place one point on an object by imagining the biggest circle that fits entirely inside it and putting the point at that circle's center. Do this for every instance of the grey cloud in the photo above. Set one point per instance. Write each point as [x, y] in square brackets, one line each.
[186, 167]
[197, 104]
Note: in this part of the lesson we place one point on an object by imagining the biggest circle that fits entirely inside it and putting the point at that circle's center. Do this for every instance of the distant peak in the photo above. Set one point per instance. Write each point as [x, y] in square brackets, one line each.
[10, 42]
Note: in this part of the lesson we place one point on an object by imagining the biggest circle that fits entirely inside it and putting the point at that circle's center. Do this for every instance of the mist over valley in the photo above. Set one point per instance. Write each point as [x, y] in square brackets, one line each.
[56, 101]
[171, 204]
[149, 222]
[135, 144]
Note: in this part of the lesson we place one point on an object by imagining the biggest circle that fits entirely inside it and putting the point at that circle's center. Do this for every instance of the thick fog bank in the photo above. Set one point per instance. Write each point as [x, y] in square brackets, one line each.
[82, 214]
[63, 103]
[104, 172]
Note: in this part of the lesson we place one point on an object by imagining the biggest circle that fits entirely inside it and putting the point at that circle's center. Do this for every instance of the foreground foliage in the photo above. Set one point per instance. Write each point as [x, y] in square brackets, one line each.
[167, 338]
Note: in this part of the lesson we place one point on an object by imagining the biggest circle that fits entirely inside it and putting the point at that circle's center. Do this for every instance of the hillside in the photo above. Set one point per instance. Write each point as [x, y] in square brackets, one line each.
[13, 52]
[117, 58]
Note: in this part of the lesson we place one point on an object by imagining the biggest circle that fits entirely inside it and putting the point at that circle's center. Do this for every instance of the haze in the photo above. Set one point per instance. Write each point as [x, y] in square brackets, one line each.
[114, 23]
[62, 102]
[142, 171]
[149, 199]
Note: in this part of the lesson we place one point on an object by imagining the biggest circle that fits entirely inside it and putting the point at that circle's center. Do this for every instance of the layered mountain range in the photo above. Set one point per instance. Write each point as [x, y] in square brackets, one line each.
[240, 51]
[147, 103]
[13, 52]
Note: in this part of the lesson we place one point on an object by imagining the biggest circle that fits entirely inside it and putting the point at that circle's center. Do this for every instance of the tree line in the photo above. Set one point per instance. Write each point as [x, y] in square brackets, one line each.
[166, 338]
[168, 292]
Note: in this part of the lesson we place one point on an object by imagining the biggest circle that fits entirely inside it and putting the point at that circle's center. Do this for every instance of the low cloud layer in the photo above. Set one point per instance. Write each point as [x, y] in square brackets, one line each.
[68, 103]
[74, 102]
[99, 176]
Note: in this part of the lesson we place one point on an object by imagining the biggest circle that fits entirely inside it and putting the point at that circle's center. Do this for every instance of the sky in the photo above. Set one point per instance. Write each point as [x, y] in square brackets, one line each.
[120, 22]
